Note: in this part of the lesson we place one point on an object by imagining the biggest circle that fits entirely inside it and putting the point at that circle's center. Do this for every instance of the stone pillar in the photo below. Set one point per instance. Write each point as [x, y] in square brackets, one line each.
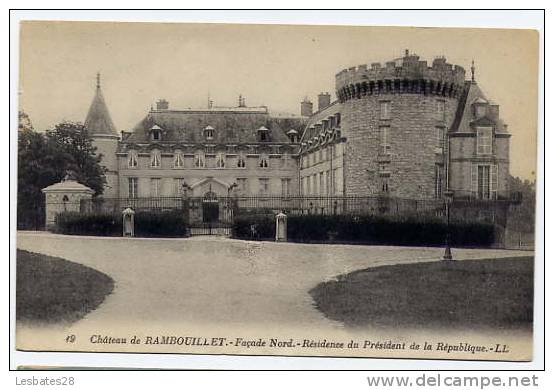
[64, 196]
[281, 227]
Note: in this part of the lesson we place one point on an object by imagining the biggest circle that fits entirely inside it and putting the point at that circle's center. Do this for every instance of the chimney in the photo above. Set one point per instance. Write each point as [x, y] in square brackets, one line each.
[162, 104]
[242, 101]
[323, 100]
[306, 107]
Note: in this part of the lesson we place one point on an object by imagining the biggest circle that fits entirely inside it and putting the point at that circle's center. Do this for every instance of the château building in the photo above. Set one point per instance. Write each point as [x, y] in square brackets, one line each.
[403, 129]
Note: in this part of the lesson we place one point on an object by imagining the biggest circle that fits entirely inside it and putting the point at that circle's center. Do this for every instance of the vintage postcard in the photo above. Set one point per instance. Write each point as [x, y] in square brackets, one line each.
[284, 190]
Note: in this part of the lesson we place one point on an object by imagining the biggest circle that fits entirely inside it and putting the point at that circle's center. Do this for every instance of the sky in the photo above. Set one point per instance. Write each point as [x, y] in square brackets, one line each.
[271, 65]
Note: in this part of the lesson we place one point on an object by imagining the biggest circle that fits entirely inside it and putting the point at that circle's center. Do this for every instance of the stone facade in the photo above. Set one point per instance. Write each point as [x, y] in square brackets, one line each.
[408, 130]
[403, 129]
[64, 196]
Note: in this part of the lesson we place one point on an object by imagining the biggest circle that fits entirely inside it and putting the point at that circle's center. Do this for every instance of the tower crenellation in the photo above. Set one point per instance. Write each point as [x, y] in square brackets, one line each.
[408, 74]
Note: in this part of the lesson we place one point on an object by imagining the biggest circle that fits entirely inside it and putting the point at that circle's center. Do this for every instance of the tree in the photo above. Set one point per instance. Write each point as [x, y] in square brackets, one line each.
[45, 159]
[76, 153]
[522, 216]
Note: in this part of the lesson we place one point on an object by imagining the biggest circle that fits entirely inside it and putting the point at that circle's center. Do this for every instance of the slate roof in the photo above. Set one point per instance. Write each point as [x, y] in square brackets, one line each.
[318, 116]
[464, 119]
[98, 119]
[231, 125]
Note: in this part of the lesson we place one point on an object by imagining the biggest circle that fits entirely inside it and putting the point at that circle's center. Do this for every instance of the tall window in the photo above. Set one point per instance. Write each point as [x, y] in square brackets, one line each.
[178, 160]
[321, 184]
[264, 161]
[384, 140]
[133, 187]
[199, 160]
[155, 159]
[308, 185]
[285, 187]
[484, 179]
[441, 110]
[242, 184]
[220, 160]
[315, 183]
[335, 181]
[155, 184]
[241, 161]
[484, 140]
[438, 181]
[285, 158]
[178, 186]
[385, 184]
[263, 186]
[385, 110]
[132, 161]
[439, 142]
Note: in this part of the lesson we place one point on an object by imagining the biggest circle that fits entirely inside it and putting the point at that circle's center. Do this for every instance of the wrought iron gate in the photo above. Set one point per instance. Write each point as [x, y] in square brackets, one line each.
[209, 215]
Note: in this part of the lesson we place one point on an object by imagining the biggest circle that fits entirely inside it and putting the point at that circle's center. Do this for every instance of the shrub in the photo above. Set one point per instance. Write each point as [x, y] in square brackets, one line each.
[102, 224]
[367, 230]
[147, 224]
[254, 226]
[160, 224]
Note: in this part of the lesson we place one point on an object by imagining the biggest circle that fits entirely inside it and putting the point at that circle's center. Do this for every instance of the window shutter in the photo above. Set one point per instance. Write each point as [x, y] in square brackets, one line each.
[474, 180]
[494, 181]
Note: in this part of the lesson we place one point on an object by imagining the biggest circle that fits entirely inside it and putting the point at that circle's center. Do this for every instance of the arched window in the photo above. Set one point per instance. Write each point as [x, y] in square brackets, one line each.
[178, 160]
[209, 133]
[156, 133]
[155, 159]
[132, 159]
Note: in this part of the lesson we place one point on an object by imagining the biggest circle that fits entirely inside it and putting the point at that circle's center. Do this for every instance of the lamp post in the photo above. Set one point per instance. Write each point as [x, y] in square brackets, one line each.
[448, 198]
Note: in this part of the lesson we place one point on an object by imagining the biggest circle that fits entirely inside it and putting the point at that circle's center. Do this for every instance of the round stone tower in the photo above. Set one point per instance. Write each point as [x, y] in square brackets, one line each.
[395, 119]
[105, 138]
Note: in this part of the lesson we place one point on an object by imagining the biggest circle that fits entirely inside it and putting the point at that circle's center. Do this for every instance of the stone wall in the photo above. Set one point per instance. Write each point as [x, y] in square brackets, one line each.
[410, 165]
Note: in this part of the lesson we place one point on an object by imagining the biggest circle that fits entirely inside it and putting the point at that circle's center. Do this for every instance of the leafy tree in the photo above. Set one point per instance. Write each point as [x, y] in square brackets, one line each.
[522, 216]
[45, 159]
[76, 154]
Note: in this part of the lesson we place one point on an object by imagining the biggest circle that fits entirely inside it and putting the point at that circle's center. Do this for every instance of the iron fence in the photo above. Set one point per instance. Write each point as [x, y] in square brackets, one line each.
[229, 206]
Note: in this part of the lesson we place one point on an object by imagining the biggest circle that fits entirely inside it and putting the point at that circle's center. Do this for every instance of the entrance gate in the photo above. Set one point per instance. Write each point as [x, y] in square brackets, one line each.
[209, 215]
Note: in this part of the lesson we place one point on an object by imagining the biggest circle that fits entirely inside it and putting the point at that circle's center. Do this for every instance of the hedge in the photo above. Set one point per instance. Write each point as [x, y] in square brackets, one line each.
[366, 230]
[147, 224]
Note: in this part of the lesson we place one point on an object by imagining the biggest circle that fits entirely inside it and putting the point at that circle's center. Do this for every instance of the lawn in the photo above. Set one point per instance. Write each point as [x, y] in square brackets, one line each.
[53, 290]
[469, 294]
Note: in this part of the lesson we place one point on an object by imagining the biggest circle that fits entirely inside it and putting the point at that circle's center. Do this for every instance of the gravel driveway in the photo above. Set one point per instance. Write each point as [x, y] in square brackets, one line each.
[211, 282]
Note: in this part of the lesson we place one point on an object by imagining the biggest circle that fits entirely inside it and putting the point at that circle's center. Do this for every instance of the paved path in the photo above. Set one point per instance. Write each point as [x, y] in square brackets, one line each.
[212, 280]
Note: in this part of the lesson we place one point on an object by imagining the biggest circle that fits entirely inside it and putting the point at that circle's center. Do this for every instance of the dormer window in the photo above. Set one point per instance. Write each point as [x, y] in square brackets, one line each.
[132, 161]
[263, 134]
[178, 160]
[209, 133]
[156, 133]
[155, 159]
[293, 135]
[480, 108]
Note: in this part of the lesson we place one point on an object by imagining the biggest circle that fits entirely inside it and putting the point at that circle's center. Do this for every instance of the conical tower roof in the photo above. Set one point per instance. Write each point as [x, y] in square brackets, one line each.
[98, 120]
